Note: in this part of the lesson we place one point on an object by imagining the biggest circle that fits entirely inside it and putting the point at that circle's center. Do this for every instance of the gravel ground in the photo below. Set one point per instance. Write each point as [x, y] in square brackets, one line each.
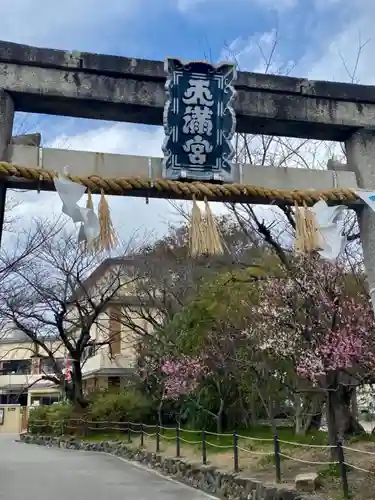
[38, 473]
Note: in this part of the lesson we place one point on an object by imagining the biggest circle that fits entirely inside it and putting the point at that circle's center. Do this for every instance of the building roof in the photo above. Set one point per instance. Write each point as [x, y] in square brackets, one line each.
[100, 271]
[16, 336]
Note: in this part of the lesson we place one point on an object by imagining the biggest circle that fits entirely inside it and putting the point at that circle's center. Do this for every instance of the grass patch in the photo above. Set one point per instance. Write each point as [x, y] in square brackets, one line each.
[331, 471]
[287, 434]
[106, 436]
[368, 438]
[218, 444]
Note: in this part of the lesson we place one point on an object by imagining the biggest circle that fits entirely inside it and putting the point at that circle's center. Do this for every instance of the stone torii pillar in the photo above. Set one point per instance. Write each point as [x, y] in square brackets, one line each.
[360, 151]
[6, 127]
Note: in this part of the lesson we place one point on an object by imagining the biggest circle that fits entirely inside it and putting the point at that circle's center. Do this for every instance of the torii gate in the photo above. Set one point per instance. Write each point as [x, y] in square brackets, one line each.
[115, 88]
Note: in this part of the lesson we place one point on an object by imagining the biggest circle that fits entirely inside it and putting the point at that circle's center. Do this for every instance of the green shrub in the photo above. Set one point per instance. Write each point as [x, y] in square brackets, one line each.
[52, 419]
[58, 417]
[125, 406]
[37, 420]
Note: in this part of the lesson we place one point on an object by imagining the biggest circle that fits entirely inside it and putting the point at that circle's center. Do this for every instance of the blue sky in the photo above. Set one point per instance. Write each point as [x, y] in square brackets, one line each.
[190, 29]
[314, 39]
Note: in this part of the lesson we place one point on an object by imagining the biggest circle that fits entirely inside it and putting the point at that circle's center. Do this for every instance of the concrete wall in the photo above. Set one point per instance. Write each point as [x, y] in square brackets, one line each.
[12, 421]
[23, 350]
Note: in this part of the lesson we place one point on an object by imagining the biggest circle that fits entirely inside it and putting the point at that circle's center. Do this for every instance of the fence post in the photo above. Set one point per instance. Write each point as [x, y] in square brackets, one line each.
[142, 436]
[343, 470]
[85, 428]
[235, 451]
[204, 448]
[276, 443]
[129, 433]
[157, 438]
[178, 442]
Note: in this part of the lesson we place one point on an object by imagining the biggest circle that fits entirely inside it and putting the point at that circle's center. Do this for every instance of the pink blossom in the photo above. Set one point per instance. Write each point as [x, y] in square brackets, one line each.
[182, 376]
[314, 319]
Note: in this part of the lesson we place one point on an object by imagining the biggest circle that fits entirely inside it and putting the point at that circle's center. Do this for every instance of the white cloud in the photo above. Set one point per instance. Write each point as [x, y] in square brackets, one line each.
[258, 53]
[129, 214]
[343, 57]
[123, 138]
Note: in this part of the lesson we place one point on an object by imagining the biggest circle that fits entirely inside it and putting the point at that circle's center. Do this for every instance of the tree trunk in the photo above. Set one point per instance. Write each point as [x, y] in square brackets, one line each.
[314, 422]
[74, 388]
[244, 412]
[340, 420]
[160, 418]
[298, 427]
[254, 411]
[347, 424]
[355, 412]
[219, 417]
[315, 417]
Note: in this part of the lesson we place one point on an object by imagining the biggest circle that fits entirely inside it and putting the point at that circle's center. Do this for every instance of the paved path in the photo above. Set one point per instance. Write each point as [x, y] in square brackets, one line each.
[37, 473]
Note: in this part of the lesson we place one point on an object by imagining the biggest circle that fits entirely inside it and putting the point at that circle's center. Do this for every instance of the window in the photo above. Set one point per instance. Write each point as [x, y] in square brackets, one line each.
[114, 382]
[19, 366]
[47, 399]
[47, 365]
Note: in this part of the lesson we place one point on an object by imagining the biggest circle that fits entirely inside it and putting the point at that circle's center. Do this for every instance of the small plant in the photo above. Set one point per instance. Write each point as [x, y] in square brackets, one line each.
[331, 471]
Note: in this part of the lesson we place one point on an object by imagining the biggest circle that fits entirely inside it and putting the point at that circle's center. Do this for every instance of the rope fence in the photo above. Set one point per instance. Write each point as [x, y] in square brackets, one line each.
[204, 442]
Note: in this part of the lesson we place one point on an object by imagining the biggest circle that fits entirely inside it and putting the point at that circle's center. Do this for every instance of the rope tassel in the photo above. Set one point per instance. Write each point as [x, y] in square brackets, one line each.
[307, 230]
[197, 244]
[89, 203]
[213, 238]
[204, 235]
[107, 239]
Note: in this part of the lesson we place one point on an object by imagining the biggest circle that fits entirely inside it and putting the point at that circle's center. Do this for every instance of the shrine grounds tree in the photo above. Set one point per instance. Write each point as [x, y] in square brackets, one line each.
[269, 336]
[168, 277]
[210, 368]
[50, 296]
[319, 319]
[169, 282]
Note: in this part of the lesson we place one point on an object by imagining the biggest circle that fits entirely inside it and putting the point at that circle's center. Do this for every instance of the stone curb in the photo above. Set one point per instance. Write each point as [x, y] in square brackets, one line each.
[223, 484]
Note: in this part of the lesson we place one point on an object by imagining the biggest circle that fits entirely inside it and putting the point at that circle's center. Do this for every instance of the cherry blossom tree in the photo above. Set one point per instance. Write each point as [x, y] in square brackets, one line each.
[171, 379]
[182, 375]
[319, 317]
